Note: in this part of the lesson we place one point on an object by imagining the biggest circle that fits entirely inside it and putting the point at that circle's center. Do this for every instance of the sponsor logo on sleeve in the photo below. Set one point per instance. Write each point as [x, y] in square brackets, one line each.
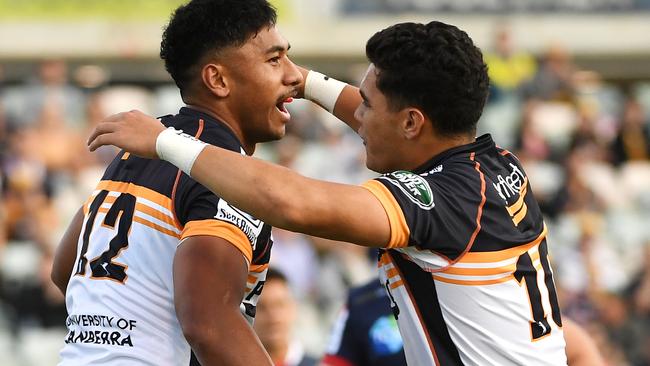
[414, 187]
[250, 226]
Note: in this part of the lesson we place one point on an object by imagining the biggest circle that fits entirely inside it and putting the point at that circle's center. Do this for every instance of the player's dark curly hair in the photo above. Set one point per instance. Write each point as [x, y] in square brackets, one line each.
[434, 67]
[203, 26]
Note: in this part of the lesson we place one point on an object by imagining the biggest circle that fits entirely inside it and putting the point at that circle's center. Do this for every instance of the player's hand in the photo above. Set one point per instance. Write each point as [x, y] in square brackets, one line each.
[132, 131]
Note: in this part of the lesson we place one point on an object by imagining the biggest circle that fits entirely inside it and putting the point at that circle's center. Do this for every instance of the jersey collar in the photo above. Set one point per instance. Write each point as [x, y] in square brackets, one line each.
[209, 120]
[480, 145]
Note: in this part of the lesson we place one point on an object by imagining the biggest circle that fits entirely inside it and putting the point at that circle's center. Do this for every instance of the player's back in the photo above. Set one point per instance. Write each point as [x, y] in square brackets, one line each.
[120, 296]
[471, 282]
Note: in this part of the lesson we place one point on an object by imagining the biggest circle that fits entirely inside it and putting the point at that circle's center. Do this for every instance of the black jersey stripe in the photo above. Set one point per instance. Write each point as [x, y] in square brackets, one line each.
[422, 290]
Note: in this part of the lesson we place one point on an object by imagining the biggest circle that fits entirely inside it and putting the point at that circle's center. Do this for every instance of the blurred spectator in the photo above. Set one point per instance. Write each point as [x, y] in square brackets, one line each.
[623, 329]
[638, 296]
[25, 287]
[295, 256]
[274, 322]
[531, 141]
[508, 67]
[366, 333]
[554, 78]
[632, 141]
[50, 87]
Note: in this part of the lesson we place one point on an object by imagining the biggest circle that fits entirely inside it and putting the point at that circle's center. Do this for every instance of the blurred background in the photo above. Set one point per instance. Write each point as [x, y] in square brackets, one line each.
[570, 96]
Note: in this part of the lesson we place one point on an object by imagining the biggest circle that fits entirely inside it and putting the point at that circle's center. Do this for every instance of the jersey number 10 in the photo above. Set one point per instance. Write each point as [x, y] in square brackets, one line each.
[120, 213]
[526, 272]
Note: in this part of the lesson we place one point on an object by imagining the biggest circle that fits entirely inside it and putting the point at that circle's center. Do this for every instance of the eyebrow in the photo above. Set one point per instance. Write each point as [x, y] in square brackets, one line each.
[278, 48]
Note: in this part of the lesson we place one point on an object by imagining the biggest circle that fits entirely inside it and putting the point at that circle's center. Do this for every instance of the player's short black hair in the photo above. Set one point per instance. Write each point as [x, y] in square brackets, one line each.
[203, 26]
[435, 67]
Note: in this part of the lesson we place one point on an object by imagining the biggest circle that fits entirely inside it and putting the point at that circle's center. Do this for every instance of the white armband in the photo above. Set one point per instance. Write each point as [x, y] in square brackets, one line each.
[323, 89]
[179, 148]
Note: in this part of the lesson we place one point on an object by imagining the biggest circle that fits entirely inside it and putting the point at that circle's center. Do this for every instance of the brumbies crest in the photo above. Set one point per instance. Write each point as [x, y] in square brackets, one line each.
[414, 187]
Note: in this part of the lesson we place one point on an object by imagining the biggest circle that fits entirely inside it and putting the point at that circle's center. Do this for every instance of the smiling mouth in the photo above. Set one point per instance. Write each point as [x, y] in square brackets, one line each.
[281, 105]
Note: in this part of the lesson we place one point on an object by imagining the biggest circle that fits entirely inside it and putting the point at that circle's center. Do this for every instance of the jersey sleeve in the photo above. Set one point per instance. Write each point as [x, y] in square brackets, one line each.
[201, 212]
[437, 213]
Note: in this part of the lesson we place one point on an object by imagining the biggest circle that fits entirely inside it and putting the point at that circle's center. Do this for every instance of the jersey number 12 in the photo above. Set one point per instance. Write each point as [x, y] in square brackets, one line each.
[120, 213]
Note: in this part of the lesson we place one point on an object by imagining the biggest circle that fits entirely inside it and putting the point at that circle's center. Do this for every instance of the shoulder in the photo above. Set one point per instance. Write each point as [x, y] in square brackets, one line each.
[412, 186]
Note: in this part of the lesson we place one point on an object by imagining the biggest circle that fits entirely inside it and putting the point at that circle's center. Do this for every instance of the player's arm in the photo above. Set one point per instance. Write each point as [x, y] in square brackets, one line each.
[580, 348]
[274, 194]
[66, 252]
[344, 105]
[209, 283]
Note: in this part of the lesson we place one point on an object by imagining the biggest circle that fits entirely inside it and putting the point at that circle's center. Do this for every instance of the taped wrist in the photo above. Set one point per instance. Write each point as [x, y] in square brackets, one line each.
[323, 89]
[179, 148]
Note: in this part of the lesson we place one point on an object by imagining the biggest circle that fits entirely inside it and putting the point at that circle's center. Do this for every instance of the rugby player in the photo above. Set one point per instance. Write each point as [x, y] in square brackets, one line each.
[365, 332]
[154, 263]
[276, 317]
[464, 254]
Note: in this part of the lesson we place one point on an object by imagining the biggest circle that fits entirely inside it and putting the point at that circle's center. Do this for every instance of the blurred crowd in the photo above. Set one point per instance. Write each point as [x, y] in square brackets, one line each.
[584, 141]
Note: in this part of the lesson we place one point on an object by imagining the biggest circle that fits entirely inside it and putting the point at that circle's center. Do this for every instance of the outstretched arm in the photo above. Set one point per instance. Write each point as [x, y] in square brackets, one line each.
[344, 105]
[272, 193]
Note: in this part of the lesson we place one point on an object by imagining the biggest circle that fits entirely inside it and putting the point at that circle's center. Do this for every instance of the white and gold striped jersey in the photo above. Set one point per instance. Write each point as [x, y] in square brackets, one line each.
[120, 297]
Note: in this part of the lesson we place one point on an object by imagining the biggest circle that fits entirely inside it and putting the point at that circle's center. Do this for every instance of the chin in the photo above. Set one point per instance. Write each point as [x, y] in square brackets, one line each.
[277, 135]
[378, 167]
[272, 136]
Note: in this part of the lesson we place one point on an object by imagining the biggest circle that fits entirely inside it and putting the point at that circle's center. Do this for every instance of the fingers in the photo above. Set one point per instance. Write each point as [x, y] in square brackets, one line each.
[115, 117]
[100, 140]
[100, 129]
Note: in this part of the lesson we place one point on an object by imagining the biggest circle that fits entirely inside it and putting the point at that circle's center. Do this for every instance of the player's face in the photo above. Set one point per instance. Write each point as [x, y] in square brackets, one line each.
[275, 314]
[263, 77]
[380, 128]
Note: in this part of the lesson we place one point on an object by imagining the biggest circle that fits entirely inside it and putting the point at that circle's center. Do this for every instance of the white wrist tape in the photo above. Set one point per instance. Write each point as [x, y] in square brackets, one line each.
[179, 148]
[323, 89]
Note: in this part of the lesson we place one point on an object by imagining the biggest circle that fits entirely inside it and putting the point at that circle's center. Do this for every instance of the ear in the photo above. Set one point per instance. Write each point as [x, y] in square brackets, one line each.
[413, 123]
[214, 79]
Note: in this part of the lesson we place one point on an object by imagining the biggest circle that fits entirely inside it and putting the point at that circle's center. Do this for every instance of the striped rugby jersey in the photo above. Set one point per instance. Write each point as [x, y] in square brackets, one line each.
[120, 297]
[467, 266]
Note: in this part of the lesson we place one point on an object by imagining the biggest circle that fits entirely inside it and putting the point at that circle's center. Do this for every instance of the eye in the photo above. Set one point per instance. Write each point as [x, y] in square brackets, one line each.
[274, 60]
[365, 103]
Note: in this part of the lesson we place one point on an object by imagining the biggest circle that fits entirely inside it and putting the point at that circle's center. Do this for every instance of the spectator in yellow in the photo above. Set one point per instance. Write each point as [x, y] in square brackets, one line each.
[507, 67]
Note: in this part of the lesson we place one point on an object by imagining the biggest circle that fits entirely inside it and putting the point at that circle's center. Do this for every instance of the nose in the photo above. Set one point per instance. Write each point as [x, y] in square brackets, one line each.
[293, 76]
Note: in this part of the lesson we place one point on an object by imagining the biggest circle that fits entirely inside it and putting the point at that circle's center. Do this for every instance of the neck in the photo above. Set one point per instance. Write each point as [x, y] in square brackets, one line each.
[437, 145]
[226, 118]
